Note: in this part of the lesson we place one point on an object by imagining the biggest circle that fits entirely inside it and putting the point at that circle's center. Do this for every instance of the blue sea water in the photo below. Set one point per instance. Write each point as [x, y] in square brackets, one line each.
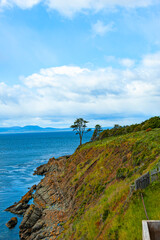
[20, 154]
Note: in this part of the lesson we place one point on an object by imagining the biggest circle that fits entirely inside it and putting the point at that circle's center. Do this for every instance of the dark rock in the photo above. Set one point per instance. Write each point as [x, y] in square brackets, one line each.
[37, 226]
[50, 166]
[30, 218]
[41, 170]
[12, 222]
[45, 168]
[42, 219]
[21, 207]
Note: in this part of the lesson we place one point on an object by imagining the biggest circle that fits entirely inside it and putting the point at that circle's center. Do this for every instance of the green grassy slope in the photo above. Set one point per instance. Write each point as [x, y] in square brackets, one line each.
[102, 172]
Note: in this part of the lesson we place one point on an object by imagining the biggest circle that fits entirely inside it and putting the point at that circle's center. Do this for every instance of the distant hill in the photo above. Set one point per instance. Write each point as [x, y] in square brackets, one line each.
[30, 128]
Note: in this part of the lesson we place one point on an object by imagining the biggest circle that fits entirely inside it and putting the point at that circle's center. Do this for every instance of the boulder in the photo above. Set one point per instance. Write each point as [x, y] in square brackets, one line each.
[12, 222]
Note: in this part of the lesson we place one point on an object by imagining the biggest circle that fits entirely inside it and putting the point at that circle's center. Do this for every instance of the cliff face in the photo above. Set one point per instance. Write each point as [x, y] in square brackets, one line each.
[42, 220]
[84, 196]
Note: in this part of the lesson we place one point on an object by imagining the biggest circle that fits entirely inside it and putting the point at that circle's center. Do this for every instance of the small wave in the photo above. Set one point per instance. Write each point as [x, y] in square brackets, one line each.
[3, 171]
[14, 172]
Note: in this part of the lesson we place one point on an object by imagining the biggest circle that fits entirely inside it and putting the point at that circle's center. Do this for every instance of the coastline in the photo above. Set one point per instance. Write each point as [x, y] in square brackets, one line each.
[81, 193]
[23, 154]
[44, 218]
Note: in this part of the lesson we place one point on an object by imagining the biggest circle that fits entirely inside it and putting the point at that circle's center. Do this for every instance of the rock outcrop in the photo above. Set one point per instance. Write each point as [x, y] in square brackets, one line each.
[12, 222]
[44, 218]
[49, 167]
[21, 207]
[31, 217]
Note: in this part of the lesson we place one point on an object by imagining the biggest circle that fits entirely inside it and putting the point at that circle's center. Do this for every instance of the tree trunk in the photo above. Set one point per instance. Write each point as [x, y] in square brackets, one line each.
[80, 140]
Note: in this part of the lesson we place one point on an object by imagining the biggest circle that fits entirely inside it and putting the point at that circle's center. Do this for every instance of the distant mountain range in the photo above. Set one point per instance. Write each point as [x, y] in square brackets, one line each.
[30, 128]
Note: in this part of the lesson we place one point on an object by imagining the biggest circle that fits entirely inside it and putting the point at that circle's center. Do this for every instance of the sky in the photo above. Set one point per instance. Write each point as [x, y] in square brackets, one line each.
[65, 59]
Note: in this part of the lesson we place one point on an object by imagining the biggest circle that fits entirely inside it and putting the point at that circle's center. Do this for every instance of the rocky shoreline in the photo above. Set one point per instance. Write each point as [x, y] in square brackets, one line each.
[45, 217]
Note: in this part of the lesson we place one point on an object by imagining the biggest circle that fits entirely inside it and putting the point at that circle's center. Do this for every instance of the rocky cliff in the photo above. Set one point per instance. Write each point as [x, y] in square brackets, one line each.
[44, 218]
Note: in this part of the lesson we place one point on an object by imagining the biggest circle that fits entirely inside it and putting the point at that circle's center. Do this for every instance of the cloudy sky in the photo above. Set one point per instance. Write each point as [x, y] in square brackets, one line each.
[65, 59]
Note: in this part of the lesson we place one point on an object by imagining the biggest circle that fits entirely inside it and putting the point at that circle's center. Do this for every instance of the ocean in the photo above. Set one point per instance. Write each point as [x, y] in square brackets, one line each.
[20, 154]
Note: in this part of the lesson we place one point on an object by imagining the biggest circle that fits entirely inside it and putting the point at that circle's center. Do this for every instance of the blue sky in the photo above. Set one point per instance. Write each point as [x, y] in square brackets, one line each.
[60, 60]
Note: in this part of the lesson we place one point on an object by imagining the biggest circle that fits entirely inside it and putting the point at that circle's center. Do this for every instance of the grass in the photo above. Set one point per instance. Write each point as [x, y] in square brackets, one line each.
[131, 221]
[100, 196]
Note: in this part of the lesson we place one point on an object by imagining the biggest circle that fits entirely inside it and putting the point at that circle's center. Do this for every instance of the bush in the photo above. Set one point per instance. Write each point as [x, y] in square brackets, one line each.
[122, 173]
[148, 129]
[99, 189]
[137, 161]
[105, 214]
[117, 130]
[153, 122]
[137, 129]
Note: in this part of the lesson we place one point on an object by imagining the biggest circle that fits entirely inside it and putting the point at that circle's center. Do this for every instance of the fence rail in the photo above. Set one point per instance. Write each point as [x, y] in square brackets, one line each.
[143, 181]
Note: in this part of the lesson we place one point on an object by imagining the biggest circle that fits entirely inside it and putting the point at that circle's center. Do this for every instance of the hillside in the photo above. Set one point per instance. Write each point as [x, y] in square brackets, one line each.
[87, 195]
[104, 174]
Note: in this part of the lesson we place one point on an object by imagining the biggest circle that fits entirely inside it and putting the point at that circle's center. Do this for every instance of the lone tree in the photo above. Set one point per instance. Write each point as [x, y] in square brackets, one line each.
[79, 127]
[97, 131]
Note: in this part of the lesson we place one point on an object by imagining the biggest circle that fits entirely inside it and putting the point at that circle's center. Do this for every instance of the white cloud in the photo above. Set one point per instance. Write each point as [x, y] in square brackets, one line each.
[151, 60]
[70, 7]
[67, 92]
[126, 62]
[19, 3]
[99, 28]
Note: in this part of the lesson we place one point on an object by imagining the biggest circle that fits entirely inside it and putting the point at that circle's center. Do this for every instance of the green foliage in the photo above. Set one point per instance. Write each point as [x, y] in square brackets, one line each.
[135, 212]
[79, 127]
[145, 150]
[99, 188]
[105, 213]
[151, 123]
[97, 131]
[118, 130]
[122, 173]
[113, 234]
[100, 196]
[82, 208]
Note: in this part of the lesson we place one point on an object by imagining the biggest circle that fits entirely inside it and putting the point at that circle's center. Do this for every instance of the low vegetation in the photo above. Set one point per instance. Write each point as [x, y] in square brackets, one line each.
[147, 125]
[102, 172]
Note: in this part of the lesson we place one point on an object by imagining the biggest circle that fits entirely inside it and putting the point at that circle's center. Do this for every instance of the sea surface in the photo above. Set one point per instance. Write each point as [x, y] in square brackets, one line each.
[20, 154]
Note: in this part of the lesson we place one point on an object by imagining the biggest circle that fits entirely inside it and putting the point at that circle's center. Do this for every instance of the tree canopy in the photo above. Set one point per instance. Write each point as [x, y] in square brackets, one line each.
[97, 131]
[79, 127]
[117, 130]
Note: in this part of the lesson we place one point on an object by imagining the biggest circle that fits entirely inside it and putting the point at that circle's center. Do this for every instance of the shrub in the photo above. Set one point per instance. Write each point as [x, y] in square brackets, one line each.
[122, 173]
[137, 129]
[117, 130]
[105, 214]
[137, 161]
[148, 129]
[104, 134]
[153, 122]
[99, 189]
